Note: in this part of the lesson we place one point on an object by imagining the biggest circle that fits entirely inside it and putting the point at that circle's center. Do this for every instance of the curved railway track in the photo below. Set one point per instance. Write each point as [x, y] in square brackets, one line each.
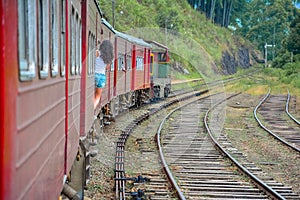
[274, 119]
[155, 184]
[158, 179]
[273, 188]
[287, 108]
[200, 170]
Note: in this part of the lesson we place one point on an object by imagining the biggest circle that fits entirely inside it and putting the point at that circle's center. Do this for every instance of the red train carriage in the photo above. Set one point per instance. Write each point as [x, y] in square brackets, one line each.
[43, 111]
[47, 90]
[127, 78]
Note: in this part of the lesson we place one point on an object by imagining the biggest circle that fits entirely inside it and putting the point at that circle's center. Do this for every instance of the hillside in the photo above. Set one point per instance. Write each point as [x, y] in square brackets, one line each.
[197, 46]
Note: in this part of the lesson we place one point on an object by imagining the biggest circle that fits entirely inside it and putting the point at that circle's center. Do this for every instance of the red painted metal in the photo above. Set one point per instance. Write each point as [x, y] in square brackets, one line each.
[8, 94]
[2, 105]
[149, 66]
[126, 68]
[133, 67]
[67, 87]
[115, 67]
[83, 81]
[145, 65]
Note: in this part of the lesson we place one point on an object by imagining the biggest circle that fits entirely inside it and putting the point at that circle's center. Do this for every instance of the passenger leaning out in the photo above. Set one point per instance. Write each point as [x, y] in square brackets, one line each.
[104, 57]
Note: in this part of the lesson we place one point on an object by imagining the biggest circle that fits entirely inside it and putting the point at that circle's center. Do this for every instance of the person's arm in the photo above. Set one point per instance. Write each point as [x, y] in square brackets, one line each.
[107, 67]
[97, 53]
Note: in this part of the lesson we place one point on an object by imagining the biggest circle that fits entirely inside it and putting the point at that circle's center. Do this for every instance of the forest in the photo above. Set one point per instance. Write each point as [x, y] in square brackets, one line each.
[219, 26]
[272, 22]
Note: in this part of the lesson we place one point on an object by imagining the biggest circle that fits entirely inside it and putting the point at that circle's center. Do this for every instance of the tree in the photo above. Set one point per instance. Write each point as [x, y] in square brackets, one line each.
[217, 11]
[293, 41]
[267, 21]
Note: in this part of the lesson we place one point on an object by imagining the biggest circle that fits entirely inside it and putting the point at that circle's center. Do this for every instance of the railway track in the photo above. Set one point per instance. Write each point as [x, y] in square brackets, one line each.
[294, 109]
[152, 182]
[157, 187]
[201, 171]
[274, 118]
[274, 188]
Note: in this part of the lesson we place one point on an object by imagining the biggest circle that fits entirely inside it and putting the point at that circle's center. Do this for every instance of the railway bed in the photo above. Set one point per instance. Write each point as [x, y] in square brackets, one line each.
[155, 184]
[275, 120]
[285, 192]
[200, 170]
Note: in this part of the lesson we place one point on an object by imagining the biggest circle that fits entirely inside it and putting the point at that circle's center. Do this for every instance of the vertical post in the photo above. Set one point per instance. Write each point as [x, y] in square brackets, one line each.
[273, 43]
[113, 12]
[166, 31]
[266, 55]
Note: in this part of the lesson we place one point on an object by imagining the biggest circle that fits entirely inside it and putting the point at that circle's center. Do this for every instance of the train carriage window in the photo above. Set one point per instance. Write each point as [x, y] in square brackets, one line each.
[76, 44]
[112, 65]
[55, 43]
[162, 57]
[27, 39]
[128, 62]
[72, 41]
[91, 53]
[139, 63]
[43, 37]
[80, 48]
[121, 62]
[63, 39]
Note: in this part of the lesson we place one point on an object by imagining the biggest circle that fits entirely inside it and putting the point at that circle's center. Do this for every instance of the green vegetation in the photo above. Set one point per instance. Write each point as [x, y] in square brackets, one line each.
[195, 43]
[277, 79]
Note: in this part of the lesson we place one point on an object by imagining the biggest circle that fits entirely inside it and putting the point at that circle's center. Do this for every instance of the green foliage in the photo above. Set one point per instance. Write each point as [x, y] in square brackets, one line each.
[281, 60]
[265, 21]
[197, 42]
[289, 74]
[293, 41]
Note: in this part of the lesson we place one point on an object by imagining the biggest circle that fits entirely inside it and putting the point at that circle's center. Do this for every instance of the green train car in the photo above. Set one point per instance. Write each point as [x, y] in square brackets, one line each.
[160, 73]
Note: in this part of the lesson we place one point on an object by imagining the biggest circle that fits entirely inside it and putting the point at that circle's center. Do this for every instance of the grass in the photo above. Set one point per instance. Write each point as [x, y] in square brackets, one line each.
[273, 78]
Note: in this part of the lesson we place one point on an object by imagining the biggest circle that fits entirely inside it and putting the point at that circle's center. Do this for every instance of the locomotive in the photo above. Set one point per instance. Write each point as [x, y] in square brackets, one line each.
[47, 90]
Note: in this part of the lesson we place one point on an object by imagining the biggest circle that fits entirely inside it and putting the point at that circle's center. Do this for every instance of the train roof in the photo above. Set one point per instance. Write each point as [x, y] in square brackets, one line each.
[132, 39]
[108, 25]
[156, 46]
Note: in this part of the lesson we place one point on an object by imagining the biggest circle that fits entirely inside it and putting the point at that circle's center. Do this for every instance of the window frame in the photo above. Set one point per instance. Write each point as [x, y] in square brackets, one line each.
[27, 42]
[54, 39]
[43, 38]
[139, 63]
[63, 38]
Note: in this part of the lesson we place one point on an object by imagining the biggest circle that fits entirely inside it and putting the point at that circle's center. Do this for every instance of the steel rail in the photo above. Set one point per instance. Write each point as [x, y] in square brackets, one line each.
[256, 180]
[287, 109]
[268, 130]
[161, 154]
[120, 179]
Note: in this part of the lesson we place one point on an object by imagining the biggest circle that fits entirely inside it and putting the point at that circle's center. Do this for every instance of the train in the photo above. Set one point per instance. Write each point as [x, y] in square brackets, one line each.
[47, 91]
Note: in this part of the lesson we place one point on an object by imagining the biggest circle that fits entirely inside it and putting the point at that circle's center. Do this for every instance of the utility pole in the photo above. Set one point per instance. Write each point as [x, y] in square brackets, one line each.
[266, 53]
[273, 42]
[113, 12]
